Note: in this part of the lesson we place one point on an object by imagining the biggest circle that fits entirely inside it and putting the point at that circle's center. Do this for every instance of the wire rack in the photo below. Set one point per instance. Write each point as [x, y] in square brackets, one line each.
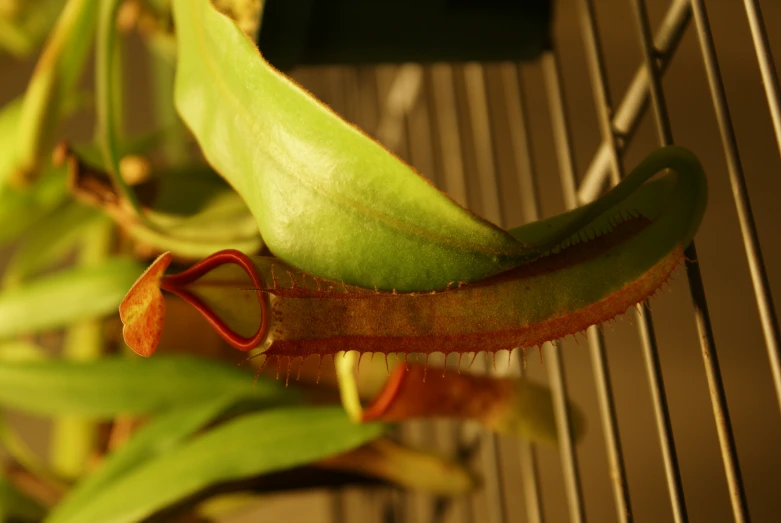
[674, 433]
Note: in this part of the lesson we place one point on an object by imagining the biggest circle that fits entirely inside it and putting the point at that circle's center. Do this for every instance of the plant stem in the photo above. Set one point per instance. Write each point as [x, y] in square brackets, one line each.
[348, 387]
[73, 438]
[108, 97]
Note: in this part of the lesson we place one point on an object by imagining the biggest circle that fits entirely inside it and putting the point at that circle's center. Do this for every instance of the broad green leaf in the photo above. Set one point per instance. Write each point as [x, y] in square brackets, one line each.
[380, 459]
[53, 85]
[163, 434]
[66, 296]
[327, 199]
[107, 387]
[17, 506]
[247, 446]
[50, 240]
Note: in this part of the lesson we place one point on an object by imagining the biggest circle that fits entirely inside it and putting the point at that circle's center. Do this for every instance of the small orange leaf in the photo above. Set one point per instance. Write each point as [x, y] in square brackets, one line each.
[143, 310]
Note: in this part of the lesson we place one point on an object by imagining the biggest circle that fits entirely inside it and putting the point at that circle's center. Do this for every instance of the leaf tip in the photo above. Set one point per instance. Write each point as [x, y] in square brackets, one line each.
[143, 310]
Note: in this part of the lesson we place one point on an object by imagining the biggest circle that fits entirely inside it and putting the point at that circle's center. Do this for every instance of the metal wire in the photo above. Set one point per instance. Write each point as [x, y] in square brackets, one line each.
[454, 173]
[766, 66]
[343, 87]
[745, 216]
[520, 137]
[701, 315]
[753, 253]
[569, 459]
[632, 106]
[486, 171]
[607, 159]
[405, 129]
[556, 366]
[596, 342]
[661, 411]
[767, 311]
[599, 80]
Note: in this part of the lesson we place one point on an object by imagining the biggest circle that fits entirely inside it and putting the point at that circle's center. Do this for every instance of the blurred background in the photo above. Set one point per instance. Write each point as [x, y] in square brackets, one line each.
[467, 128]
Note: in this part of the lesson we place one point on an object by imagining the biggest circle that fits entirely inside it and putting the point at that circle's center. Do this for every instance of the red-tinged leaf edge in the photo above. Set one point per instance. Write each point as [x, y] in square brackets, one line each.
[143, 310]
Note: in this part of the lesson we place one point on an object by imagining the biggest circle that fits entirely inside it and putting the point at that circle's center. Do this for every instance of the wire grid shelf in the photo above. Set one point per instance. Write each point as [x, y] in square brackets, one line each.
[486, 133]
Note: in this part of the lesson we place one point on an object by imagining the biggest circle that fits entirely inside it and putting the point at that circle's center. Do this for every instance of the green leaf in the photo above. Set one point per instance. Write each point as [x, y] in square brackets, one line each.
[50, 240]
[320, 190]
[65, 297]
[163, 71]
[13, 38]
[73, 440]
[53, 85]
[20, 209]
[21, 350]
[15, 505]
[198, 213]
[676, 202]
[106, 89]
[24, 29]
[161, 435]
[407, 467]
[10, 116]
[17, 448]
[107, 387]
[194, 211]
[247, 446]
